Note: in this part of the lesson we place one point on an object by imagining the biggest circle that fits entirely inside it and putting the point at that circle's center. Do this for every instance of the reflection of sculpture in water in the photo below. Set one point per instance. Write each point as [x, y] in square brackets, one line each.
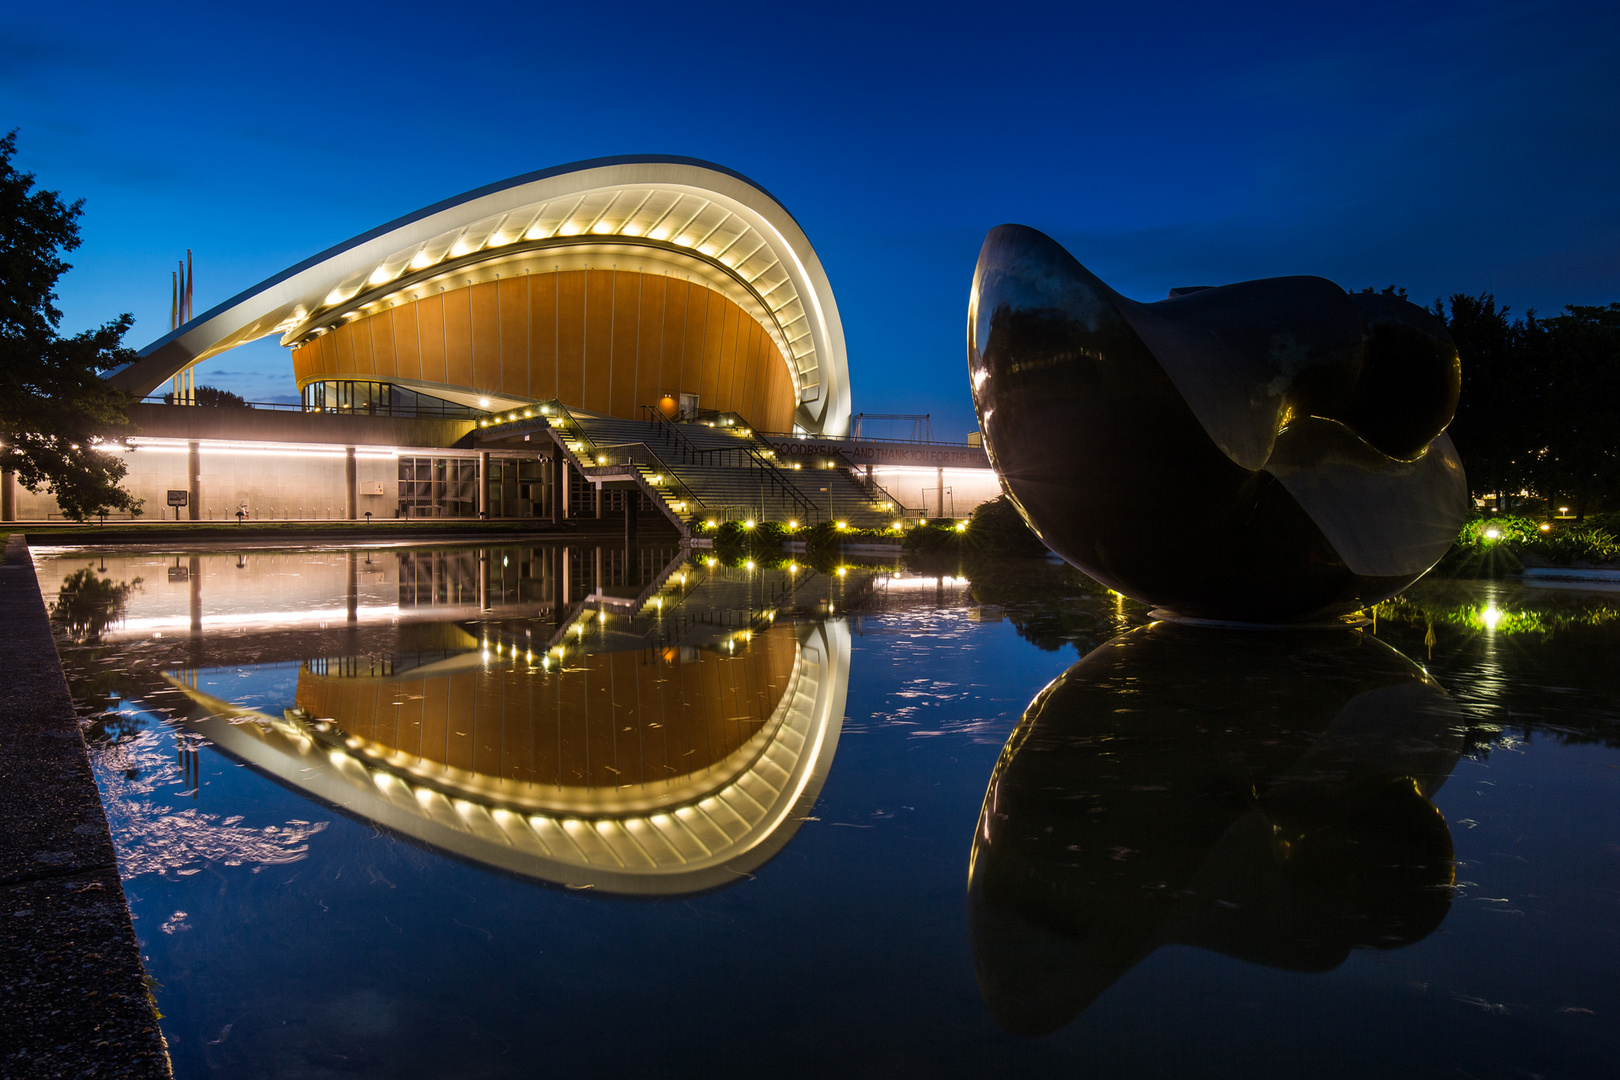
[1269, 451]
[1266, 798]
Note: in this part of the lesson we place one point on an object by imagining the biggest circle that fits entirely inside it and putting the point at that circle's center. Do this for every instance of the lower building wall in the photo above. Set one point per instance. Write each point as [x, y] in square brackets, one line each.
[274, 485]
[919, 488]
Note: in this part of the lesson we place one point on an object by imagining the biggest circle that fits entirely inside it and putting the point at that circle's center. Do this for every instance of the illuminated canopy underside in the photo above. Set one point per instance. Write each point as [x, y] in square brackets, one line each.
[672, 216]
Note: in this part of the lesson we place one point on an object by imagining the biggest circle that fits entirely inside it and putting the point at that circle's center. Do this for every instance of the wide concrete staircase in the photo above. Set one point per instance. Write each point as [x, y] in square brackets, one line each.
[711, 468]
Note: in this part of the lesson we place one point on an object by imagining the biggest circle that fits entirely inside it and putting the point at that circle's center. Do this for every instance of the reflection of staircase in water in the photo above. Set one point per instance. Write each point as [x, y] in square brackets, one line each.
[716, 468]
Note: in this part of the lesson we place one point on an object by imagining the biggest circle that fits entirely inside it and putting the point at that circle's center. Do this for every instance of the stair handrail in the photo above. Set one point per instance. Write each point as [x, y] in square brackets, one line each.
[670, 430]
[657, 462]
[554, 409]
[760, 453]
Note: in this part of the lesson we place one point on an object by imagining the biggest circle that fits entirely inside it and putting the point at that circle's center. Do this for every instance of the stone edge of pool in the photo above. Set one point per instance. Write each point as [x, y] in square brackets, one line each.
[73, 992]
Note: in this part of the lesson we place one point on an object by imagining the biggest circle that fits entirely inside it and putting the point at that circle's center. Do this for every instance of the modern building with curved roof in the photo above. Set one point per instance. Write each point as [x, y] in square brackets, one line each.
[607, 285]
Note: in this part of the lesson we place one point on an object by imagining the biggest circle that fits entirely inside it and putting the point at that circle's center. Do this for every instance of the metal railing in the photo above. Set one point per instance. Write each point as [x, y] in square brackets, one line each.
[746, 455]
[567, 426]
[866, 439]
[403, 412]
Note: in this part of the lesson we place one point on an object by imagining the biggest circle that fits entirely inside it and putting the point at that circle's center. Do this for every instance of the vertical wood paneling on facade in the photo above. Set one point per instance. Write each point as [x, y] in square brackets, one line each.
[382, 342]
[781, 392]
[430, 326]
[623, 398]
[714, 333]
[542, 335]
[514, 308]
[343, 348]
[760, 369]
[654, 326]
[484, 324]
[725, 374]
[598, 338]
[697, 328]
[674, 335]
[407, 347]
[458, 337]
[571, 337]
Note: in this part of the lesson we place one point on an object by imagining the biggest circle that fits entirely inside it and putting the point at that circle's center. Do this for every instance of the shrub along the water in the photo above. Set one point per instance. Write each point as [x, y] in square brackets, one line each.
[1493, 546]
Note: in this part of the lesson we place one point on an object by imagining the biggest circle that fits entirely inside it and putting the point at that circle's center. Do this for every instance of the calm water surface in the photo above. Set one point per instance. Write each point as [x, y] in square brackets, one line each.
[509, 812]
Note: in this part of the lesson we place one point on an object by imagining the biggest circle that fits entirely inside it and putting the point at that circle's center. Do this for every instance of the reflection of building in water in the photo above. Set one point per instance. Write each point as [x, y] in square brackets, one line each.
[1266, 798]
[658, 739]
[652, 718]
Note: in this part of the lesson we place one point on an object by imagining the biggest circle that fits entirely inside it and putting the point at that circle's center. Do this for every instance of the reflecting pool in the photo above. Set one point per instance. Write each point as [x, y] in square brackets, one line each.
[535, 810]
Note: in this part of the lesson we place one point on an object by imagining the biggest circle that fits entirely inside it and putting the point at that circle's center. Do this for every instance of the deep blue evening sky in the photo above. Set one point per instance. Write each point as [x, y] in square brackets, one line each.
[1446, 147]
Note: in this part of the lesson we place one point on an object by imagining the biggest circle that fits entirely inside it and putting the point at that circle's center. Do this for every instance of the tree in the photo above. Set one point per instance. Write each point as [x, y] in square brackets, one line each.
[1577, 355]
[1540, 407]
[1497, 421]
[212, 397]
[58, 415]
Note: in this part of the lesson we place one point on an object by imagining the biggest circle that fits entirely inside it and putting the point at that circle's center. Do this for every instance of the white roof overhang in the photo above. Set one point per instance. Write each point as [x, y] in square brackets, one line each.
[670, 214]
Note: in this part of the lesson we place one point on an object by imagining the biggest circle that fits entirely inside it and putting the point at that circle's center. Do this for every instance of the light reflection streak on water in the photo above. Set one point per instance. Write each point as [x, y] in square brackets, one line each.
[153, 836]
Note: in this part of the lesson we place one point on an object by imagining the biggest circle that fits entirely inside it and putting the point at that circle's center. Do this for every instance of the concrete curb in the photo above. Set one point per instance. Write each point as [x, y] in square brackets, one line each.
[73, 993]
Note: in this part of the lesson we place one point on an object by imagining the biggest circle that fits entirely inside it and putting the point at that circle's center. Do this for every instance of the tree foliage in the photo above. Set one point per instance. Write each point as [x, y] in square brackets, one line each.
[56, 410]
[1540, 407]
[212, 397]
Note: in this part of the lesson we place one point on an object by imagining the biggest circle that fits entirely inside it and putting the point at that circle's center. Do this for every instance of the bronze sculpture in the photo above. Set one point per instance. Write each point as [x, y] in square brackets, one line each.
[1272, 451]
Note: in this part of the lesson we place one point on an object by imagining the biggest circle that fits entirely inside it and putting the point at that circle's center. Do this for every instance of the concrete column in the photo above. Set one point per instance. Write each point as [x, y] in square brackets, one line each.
[483, 484]
[632, 506]
[559, 489]
[194, 480]
[939, 495]
[351, 498]
[8, 496]
[599, 498]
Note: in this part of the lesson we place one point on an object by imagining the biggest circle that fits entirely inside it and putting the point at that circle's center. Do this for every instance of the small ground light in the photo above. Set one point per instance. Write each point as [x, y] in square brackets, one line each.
[843, 524]
[793, 568]
[1492, 534]
[842, 571]
[749, 524]
[1546, 528]
[1490, 617]
[897, 526]
[961, 526]
[708, 524]
[749, 564]
[793, 524]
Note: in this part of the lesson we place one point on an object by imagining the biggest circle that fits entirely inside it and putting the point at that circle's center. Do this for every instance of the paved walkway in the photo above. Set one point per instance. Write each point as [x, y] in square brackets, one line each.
[73, 1000]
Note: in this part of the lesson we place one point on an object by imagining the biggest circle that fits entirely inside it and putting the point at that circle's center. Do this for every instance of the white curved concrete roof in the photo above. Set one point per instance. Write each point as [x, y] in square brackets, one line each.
[696, 217]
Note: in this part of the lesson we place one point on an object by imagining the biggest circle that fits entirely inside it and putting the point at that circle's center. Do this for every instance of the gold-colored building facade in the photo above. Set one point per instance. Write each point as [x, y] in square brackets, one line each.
[606, 341]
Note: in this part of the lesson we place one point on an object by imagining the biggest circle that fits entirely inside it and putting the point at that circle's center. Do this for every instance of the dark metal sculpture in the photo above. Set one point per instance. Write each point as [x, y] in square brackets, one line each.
[1271, 451]
[1267, 797]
